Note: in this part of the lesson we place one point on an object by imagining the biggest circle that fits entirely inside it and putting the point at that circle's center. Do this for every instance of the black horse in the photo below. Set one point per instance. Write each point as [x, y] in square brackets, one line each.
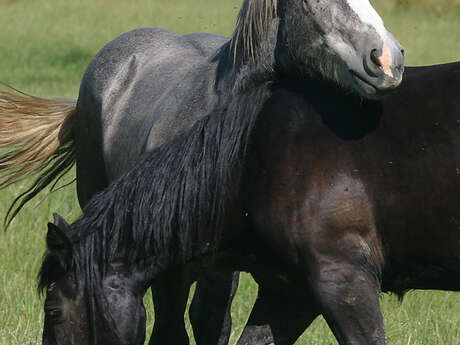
[149, 85]
[333, 202]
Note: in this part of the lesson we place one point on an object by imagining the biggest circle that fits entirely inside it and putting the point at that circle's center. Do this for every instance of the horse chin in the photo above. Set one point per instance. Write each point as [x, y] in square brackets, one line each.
[366, 89]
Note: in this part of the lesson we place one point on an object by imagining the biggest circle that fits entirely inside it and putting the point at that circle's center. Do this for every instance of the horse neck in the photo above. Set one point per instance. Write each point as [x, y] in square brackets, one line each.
[241, 70]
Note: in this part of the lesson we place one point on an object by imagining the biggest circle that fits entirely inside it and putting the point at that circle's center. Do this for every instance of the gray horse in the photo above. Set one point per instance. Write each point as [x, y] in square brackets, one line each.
[148, 85]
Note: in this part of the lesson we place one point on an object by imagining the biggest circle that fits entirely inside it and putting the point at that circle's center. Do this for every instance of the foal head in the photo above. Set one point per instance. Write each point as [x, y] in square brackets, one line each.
[82, 308]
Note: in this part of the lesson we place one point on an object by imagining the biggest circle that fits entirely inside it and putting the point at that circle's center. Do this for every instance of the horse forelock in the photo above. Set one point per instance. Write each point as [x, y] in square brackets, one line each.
[251, 28]
[45, 274]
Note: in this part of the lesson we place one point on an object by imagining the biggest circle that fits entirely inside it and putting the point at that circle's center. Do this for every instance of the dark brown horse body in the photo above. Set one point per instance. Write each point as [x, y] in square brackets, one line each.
[354, 198]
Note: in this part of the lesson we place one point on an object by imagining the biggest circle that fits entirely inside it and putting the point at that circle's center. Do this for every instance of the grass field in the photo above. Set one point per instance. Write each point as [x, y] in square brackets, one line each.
[44, 48]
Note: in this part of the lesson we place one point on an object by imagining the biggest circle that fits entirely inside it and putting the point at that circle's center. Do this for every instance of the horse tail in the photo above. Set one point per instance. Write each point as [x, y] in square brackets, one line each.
[36, 137]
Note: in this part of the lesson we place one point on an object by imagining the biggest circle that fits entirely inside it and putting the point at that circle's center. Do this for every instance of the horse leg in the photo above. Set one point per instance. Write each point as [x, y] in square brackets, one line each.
[91, 176]
[210, 311]
[170, 295]
[345, 281]
[278, 317]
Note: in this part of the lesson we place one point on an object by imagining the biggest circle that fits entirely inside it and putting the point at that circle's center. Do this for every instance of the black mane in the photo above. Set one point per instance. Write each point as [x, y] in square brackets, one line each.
[169, 207]
[161, 210]
[173, 194]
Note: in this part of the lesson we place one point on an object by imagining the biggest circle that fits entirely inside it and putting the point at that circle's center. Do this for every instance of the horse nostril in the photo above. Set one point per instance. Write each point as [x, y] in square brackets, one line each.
[375, 58]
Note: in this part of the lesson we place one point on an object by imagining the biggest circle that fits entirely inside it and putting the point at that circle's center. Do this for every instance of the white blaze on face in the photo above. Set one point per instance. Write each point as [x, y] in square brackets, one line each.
[368, 15]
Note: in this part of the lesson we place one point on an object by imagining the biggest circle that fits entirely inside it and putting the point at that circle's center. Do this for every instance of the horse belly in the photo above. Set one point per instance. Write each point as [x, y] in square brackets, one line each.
[416, 200]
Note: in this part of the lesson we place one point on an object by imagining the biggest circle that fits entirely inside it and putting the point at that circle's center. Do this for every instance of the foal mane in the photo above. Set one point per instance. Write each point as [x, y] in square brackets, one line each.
[251, 28]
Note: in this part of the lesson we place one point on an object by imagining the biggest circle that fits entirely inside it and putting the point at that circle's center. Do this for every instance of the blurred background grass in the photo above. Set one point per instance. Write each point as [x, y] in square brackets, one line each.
[45, 46]
[436, 7]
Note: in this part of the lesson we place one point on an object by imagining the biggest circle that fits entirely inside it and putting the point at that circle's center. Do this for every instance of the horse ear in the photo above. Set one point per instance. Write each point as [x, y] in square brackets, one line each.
[61, 223]
[58, 243]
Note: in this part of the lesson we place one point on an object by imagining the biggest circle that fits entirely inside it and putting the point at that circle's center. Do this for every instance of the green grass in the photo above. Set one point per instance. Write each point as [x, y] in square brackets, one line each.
[44, 49]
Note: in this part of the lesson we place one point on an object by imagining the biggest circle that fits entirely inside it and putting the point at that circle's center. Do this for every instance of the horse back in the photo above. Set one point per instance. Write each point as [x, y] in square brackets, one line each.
[139, 91]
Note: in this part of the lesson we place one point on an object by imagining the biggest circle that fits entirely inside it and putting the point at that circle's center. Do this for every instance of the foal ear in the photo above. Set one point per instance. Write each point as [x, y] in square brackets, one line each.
[58, 243]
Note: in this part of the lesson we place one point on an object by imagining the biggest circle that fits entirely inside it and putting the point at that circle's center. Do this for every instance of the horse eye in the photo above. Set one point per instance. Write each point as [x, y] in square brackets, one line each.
[71, 280]
[54, 313]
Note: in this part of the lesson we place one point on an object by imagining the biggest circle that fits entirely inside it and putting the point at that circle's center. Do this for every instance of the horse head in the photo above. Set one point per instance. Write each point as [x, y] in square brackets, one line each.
[81, 310]
[344, 41]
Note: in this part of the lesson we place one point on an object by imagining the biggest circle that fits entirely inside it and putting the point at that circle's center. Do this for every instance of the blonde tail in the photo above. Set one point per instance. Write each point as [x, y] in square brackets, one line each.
[35, 138]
